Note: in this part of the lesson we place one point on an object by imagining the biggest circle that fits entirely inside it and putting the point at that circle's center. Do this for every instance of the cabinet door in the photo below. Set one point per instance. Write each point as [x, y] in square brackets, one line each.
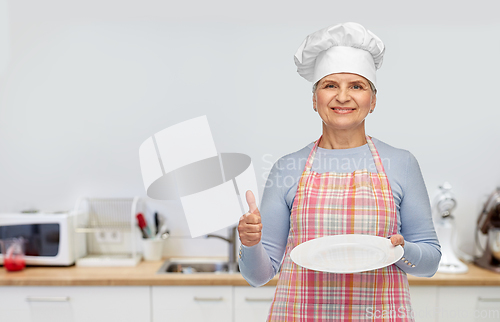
[424, 302]
[74, 303]
[192, 303]
[13, 305]
[469, 303]
[252, 304]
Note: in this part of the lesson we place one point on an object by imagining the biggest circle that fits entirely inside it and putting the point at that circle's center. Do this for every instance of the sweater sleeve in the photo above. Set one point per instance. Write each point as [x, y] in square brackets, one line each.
[422, 252]
[261, 262]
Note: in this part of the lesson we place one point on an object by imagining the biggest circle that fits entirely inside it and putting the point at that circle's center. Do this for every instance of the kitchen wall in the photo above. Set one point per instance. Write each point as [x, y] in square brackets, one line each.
[82, 85]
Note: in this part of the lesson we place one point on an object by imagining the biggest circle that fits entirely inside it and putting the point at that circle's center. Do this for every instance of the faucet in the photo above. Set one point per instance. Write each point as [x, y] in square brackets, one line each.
[232, 241]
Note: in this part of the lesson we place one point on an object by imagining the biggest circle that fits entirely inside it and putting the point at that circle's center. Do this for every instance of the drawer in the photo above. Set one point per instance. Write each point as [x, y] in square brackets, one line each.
[469, 304]
[252, 304]
[192, 303]
[74, 303]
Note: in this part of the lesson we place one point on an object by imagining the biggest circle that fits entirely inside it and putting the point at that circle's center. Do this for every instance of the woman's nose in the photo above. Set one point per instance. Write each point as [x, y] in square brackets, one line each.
[343, 95]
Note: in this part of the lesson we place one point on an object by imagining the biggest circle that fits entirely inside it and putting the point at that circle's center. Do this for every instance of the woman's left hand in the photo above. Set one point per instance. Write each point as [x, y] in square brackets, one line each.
[398, 240]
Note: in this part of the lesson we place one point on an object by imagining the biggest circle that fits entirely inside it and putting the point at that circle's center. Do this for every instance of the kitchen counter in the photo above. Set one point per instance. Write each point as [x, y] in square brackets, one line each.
[145, 274]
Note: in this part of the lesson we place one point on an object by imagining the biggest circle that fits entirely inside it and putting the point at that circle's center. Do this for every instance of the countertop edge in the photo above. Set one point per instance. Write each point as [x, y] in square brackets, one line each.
[145, 274]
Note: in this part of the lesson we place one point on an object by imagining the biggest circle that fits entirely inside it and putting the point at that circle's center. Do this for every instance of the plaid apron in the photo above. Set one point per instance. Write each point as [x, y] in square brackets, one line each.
[341, 203]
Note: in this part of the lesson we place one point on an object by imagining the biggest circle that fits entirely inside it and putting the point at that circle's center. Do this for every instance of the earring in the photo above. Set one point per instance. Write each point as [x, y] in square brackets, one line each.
[315, 110]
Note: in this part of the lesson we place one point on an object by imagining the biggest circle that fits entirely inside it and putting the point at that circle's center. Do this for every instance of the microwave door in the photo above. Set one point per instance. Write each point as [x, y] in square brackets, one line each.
[41, 239]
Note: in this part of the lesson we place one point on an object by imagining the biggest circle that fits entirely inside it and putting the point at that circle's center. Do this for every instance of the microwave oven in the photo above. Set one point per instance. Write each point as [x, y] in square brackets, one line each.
[50, 238]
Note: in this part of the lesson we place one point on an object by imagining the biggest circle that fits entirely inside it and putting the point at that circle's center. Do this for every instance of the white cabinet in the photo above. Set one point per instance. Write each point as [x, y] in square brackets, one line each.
[252, 304]
[74, 303]
[424, 302]
[192, 303]
[213, 303]
[429, 303]
[469, 304]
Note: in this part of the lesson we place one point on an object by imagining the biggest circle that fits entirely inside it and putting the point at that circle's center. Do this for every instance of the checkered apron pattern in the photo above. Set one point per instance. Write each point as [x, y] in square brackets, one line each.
[341, 203]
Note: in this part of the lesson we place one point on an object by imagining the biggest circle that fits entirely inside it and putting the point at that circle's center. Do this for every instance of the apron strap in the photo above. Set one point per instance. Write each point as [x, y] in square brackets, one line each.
[373, 150]
[310, 158]
[376, 156]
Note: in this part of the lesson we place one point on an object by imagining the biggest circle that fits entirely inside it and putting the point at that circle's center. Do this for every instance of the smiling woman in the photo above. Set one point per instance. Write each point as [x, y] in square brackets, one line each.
[368, 196]
[343, 101]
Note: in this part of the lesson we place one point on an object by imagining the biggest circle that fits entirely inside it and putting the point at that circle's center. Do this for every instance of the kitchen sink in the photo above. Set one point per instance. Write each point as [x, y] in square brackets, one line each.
[195, 266]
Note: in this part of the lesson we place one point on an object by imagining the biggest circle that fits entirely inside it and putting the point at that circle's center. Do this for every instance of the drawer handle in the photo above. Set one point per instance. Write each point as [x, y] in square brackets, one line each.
[486, 299]
[209, 299]
[47, 298]
[256, 299]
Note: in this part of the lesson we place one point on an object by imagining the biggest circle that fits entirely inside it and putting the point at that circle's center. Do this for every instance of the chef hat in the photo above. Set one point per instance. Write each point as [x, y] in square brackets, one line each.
[343, 48]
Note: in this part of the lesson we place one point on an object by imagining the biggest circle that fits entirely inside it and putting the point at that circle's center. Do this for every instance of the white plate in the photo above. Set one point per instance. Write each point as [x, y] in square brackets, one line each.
[350, 253]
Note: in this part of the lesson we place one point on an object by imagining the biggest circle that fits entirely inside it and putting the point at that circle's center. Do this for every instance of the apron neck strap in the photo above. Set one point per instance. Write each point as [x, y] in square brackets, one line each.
[375, 155]
[373, 150]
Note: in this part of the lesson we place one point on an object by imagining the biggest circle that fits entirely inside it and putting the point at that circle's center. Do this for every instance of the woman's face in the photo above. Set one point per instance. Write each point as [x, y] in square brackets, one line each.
[343, 100]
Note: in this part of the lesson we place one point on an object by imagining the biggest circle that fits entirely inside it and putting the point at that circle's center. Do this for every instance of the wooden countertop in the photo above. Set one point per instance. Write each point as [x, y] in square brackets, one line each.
[145, 274]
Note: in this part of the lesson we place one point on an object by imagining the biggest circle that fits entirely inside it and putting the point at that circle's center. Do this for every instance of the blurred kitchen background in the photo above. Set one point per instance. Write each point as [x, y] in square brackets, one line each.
[84, 83]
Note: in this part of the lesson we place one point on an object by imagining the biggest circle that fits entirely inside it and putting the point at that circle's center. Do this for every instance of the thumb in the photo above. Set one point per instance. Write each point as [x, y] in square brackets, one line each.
[252, 205]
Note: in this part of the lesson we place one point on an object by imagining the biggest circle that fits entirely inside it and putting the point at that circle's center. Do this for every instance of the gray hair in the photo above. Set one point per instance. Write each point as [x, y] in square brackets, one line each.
[374, 90]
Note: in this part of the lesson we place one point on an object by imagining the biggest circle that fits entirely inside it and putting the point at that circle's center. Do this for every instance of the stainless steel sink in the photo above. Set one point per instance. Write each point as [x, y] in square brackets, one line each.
[195, 266]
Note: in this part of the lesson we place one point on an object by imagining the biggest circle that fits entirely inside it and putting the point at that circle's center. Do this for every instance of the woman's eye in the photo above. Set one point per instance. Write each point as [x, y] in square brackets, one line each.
[329, 86]
[357, 87]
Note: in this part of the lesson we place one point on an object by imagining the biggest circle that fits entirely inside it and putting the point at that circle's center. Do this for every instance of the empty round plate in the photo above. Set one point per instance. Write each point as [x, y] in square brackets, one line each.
[350, 253]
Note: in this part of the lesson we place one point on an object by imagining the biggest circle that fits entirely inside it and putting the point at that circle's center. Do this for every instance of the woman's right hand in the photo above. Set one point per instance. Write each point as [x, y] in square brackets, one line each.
[250, 226]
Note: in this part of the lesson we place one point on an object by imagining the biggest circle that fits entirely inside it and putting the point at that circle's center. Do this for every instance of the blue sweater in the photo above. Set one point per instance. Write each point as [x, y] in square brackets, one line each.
[261, 262]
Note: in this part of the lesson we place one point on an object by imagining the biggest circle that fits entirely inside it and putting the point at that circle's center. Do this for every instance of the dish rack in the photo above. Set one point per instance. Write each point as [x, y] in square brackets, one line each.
[109, 231]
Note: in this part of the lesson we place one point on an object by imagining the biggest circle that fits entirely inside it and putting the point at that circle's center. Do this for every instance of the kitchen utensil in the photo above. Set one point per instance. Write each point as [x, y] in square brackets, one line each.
[157, 223]
[488, 223]
[141, 222]
[163, 232]
[350, 253]
[494, 242]
[444, 222]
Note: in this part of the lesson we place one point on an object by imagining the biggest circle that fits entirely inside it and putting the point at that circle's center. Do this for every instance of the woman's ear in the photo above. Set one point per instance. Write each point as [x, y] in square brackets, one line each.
[314, 102]
[373, 102]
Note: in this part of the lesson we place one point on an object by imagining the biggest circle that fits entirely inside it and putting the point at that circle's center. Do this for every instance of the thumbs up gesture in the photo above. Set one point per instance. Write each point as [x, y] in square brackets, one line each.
[250, 226]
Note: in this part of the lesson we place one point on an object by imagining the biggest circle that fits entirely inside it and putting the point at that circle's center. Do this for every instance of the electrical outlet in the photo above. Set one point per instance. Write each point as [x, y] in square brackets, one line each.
[108, 236]
[101, 236]
[114, 236]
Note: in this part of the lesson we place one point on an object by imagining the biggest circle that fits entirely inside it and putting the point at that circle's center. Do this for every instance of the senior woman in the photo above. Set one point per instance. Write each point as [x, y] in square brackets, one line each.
[344, 183]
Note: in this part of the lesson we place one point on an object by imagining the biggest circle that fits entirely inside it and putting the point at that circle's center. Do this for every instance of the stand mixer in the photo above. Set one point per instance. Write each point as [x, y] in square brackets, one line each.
[488, 224]
[443, 204]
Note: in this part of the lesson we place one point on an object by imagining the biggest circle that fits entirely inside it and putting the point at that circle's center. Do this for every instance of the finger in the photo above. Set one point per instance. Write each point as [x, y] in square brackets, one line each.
[251, 230]
[397, 240]
[250, 239]
[249, 227]
[249, 234]
[244, 216]
[252, 205]
[252, 219]
[257, 228]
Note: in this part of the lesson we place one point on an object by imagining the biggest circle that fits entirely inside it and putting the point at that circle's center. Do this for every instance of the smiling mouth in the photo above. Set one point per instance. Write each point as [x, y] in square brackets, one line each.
[343, 110]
